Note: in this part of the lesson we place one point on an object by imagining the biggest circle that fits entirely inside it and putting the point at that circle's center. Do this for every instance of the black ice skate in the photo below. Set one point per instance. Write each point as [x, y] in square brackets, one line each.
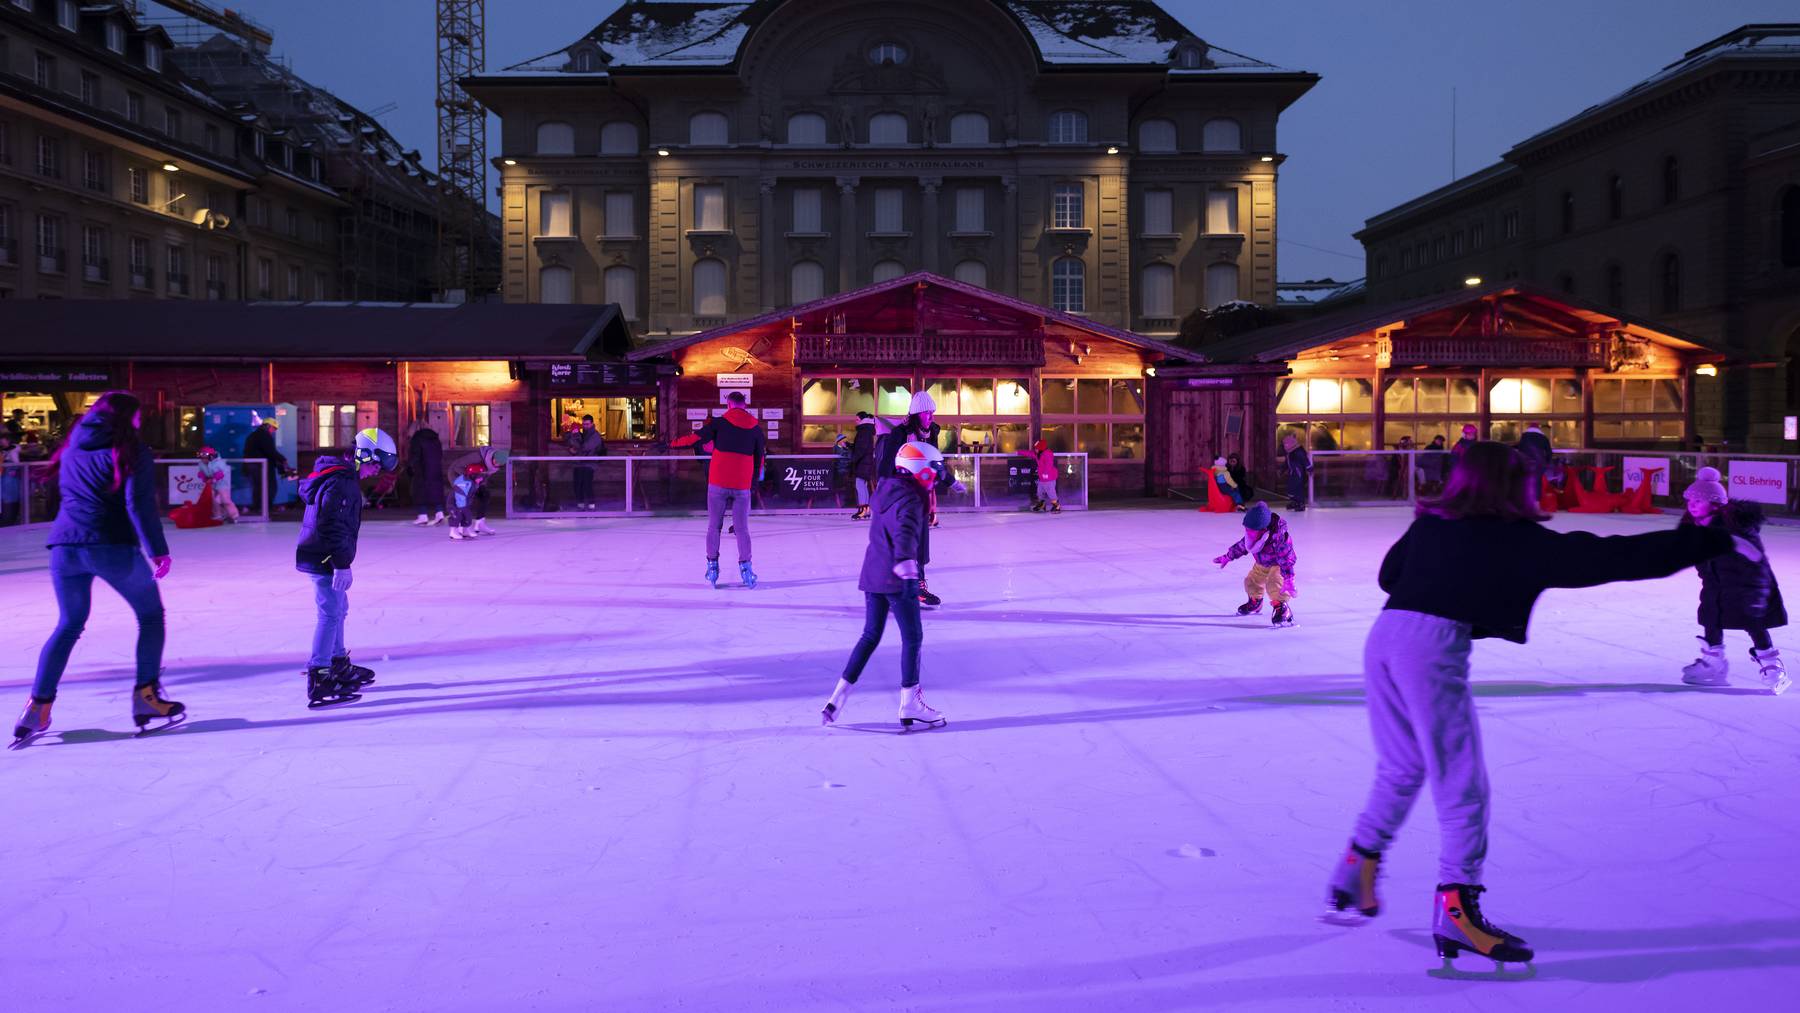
[148, 704]
[355, 674]
[926, 598]
[1457, 926]
[1252, 607]
[1352, 899]
[325, 688]
[1283, 615]
[33, 722]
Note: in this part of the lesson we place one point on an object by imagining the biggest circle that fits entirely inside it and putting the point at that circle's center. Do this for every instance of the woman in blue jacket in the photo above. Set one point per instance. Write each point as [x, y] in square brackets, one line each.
[105, 524]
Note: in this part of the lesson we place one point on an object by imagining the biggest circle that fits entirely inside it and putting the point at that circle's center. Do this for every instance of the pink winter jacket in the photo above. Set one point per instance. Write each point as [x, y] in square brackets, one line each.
[1046, 464]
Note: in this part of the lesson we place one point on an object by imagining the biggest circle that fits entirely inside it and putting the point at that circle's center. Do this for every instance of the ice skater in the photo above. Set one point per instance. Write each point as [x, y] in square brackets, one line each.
[862, 464]
[1271, 550]
[917, 427]
[462, 501]
[737, 464]
[105, 522]
[216, 475]
[328, 537]
[1736, 593]
[1044, 498]
[425, 466]
[899, 548]
[1471, 565]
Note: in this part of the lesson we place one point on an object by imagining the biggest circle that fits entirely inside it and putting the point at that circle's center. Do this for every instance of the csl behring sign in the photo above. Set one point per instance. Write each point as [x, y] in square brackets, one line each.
[1759, 482]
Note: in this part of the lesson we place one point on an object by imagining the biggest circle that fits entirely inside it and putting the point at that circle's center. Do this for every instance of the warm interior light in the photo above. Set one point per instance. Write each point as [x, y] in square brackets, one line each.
[509, 161]
[1150, 371]
[1112, 149]
[171, 167]
[1706, 369]
[663, 152]
[1268, 158]
[1472, 281]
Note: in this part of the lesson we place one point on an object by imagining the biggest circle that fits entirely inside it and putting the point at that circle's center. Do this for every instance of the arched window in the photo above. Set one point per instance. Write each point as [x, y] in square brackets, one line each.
[1567, 212]
[1790, 227]
[1157, 295]
[621, 288]
[555, 139]
[1671, 179]
[1615, 285]
[887, 270]
[1670, 275]
[1221, 284]
[806, 282]
[555, 214]
[1190, 58]
[1222, 135]
[1067, 126]
[887, 128]
[806, 128]
[556, 285]
[972, 272]
[968, 128]
[884, 53]
[1156, 135]
[1615, 197]
[709, 288]
[1068, 285]
[619, 138]
[708, 128]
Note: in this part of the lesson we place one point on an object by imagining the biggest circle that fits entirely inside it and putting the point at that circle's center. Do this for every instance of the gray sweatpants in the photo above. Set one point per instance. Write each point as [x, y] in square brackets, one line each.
[1416, 670]
[718, 499]
[1046, 490]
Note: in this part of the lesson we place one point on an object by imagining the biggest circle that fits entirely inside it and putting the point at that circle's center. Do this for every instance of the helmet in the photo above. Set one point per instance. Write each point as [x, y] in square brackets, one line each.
[376, 447]
[916, 458]
[474, 468]
[208, 454]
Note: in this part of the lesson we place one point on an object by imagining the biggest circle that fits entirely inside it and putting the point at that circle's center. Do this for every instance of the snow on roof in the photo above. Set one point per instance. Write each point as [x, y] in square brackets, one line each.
[1068, 31]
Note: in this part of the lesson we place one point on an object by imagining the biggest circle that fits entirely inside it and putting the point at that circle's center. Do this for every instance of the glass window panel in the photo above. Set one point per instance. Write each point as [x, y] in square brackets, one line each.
[1609, 398]
[1012, 397]
[1394, 432]
[1640, 429]
[1608, 430]
[1670, 430]
[1434, 394]
[1060, 438]
[1090, 397]
[1503, 398]
[1128, 441]
[1221, 212]
[1398, 397]
[1428, 429]
[1059, 396]
[1534, 396]
[895, 397]
[1091, 439]
[1326, 436]
[1128, 397]
[1666, 395]
[709, 208]
[944, 393]
[1357, 436]
[1325, 396]
[1465, 396]
[1290, 399]
[856, 394]
[814, 435]
[1565, 433]
[818, 396]
[973, 440]
[1011, 438]
[1637, 396]
[1565, 397]
[1359, 396]
[978, 397]
[1506, 431]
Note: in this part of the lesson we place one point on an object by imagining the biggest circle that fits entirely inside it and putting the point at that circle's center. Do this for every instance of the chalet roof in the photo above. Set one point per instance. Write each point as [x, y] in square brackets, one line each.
[179, 329]
[1286, 341]
[974, 293]
[662, 34]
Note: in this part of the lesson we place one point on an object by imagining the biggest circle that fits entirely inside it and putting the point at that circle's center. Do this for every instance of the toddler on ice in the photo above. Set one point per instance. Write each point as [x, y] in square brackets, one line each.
[464, 489]
[1736, 592]
[1267, 544]
[1226, 482]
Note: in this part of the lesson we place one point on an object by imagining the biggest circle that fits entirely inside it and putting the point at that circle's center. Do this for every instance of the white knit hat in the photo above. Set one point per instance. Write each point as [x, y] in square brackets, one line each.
[1707, 487]
[1219, 462]
[921, 402]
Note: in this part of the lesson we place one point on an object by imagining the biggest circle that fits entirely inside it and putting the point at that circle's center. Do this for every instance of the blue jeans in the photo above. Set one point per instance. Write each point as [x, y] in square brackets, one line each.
[328, 635]
[72, 572]
[905, 607]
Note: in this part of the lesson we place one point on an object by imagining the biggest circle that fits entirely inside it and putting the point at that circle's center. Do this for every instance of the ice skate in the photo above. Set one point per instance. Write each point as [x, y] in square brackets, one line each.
[1283, 615]
[1056, 506]
[835, 704]
[914, 710]
[747, 575]
[345, 670]
[712, 572]
[324, 688]
[1352, 900]
[1774, 671]
[1710, 668]
[482, 528]
[934, 519]
[926, 598]
[861, 514]
[457, 533]
[33, 721]
[148, 704]
[1457, 926]
[421, 520]
[1253, 607]
[1038, 506]
[439, 519]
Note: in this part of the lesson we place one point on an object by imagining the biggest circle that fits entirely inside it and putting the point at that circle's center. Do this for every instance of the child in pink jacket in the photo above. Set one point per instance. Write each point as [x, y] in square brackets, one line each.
[1046, 478]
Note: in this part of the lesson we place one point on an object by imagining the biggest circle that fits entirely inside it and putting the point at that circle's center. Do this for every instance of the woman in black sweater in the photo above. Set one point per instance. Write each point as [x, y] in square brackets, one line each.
[1471, 565]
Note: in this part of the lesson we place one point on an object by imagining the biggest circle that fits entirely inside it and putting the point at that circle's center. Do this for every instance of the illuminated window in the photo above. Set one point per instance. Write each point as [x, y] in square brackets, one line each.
[709, 207]
[555, 215]
[335, 426]
[471, 424]
[1066, 210]
[1221, 212]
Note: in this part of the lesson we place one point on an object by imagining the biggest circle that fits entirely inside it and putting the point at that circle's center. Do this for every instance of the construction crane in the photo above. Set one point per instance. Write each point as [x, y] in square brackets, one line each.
[462, 147]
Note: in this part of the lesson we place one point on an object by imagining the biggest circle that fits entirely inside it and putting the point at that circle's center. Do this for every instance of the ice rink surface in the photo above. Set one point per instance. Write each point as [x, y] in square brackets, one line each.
[586, 781]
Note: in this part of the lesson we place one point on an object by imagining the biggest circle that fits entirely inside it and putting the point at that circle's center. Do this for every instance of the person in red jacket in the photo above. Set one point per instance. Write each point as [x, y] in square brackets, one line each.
[1046, 498]
[737, 463]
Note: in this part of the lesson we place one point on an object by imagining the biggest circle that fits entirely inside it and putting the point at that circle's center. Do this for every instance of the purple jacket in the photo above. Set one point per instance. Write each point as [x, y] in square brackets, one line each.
[1274, 549]
[898, 532]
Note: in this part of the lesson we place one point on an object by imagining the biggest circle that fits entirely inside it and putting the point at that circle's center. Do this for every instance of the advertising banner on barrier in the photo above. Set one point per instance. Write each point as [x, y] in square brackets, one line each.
[184, 483]
[1759, 481]
[1634, 474]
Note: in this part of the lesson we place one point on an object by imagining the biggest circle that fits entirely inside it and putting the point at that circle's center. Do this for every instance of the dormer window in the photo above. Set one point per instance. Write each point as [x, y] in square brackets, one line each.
[153, 56]
[888, 53]
[115, 36]
[1190, 58]
[68, 15]
[584, 61]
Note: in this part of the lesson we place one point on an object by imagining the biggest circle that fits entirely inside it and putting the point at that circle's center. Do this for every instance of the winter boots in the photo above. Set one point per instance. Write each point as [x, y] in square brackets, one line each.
[148, 704]
[1774, 672]
[835, 704]
[1457, 925]
[35, 720]
[745, 574]
[1038, 506]
[1251, 608]
[344, 671]
[712, 572]
[914, 710]
[1710, 668]
[325, 686]
[1353, 900]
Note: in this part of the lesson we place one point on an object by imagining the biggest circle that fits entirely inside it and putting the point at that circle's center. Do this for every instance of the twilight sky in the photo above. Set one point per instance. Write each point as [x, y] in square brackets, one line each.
[1374, 133]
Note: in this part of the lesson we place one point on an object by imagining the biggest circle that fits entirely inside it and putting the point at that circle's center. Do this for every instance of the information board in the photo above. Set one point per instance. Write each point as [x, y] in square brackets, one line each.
[601, 374]
[805, 479]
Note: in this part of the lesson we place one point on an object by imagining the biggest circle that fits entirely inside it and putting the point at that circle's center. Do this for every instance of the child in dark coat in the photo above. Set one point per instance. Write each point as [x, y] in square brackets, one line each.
[328, 535]
[1271, 549]
[1736, 593]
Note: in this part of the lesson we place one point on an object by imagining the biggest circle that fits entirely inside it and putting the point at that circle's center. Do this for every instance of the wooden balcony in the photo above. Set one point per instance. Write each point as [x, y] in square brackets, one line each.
[1570, 353]
[1010, 348]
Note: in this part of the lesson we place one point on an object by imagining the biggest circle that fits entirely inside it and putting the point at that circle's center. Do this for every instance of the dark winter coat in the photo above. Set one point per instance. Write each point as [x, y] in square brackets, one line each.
[862, 451]
[260, 446]
[333, 518]
[1736, 594]
[1536, 448]
[585, 443]
[1294, 468]
[898, 532]
[1275, 548]
[1489, 572]
[425, 463]
[1242, 477]
[739, 448]
[92, 512]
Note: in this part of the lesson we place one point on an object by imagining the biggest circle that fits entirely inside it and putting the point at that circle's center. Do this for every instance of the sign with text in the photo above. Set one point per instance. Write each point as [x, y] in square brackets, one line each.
[1634, 474]
[601, 374]
[773, 413]
[1759, 481]
[184, 483]
[698, 413]
[737, 379]
[15, 374]
[805, 480]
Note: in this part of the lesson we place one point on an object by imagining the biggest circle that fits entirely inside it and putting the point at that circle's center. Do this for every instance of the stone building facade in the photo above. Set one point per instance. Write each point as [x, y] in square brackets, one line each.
[700, 163]
[1677, 200]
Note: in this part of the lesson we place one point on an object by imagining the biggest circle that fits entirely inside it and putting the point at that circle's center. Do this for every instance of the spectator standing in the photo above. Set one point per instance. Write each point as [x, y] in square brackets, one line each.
[586, 442]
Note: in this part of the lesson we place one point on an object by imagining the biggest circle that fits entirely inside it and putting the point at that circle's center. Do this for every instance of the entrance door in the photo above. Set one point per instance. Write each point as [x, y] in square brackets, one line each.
[1204, 425]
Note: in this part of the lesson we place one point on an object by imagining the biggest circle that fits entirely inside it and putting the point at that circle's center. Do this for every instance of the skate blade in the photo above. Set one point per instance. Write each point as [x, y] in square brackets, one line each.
[21, 741]
[151, 727]
[333, 702]
[906, 724]
[1349, 918]
[1448, 971]
[828, 715]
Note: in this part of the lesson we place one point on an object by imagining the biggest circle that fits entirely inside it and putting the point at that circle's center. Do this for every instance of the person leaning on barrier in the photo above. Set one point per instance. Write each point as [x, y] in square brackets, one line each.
[585, 441]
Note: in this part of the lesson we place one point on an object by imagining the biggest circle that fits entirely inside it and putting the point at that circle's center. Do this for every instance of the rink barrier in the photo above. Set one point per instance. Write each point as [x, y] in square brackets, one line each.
[675, 485]
[28, 498]
[1352, 478]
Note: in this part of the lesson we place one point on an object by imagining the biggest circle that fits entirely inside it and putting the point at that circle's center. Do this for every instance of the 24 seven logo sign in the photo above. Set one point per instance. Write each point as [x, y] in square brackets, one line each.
[807, 480]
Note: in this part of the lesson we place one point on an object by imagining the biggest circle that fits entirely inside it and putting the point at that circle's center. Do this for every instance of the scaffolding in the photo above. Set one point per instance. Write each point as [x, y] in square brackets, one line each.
[462, 152]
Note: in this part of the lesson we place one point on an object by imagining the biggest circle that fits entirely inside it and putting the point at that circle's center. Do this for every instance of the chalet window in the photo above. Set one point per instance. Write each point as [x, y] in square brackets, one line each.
[621, 215]
[1790, 227]
[1099, 416]
[1156, 136]
[971, 209]
[1066, 206]
[617, 419]
[1671, 180]
[1671, 282]
[1221, 212]
[887, 128]
[334, 425]
[1068, 285]
[1222, 135]
[471, 425]
[621, 289]
[709, 288]
[708, 128]
[1159, 213]
[972, 272]
[555, 139]
[556, 284]
[886, 270]
[1567, 212]
[619, 138]
[709, 207]
[1638, 410]
[556, 214]
[809, 203]
[806, 282]
[1158, 291]
[1327, 413]
[968, 128]
[828, 404]
[1068, 126]
[806, 128]
[890, 205]
[981, 414]
[1424, 408]
[44, 70]
[1221, 284]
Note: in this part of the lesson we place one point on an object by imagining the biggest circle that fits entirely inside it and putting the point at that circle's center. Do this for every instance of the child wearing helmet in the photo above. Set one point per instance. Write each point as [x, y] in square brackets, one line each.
[328, 536]
[215, 474]
[899, 548]
[1045, 461]
[463, 491]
